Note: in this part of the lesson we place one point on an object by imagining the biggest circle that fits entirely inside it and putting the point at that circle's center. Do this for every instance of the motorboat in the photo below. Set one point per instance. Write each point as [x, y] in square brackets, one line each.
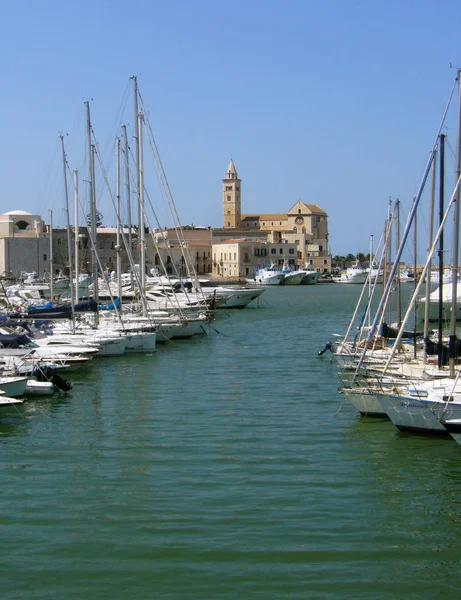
[10, 407]
[268, 276]
[311, 275]
[291, 277]
[353, 274]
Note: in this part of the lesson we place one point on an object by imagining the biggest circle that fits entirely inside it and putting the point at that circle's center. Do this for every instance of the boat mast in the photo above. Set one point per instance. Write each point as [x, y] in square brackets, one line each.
[69, 244]
[397, 244]
[76, 237]
[142, 233]
[428, 276]
[92, 202]
[454, 279]
[136, 154]
[414, 280]
[128, 194]
[441, 244]
[51, 255]
[117, 196]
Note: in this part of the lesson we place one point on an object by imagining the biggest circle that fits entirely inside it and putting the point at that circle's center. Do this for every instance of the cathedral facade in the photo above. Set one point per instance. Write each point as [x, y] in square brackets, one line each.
[305, 225]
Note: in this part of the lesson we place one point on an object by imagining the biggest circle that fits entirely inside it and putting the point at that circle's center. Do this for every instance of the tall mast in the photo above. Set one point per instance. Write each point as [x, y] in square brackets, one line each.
[397, 244]
[128, 193]
[142, 233]
[94, 228]
[51, 255]
[415, 250]
[455, 241]
[117, 196]
[136, 153]
[441, 243]
[428, 275]
[76, 237]
[91, 201]
[69, 244]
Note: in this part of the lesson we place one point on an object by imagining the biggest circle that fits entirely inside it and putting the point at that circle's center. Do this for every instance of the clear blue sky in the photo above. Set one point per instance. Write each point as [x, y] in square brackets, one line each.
[333, 102]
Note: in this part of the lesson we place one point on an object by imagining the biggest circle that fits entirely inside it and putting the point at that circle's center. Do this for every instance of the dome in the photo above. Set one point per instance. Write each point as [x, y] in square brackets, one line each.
[18, 212]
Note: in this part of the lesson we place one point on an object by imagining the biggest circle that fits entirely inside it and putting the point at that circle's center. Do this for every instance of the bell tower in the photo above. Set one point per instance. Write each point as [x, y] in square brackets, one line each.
[231, 198]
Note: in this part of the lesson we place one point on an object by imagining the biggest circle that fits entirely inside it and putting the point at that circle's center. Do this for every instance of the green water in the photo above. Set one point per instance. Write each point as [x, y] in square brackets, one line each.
[220, 468]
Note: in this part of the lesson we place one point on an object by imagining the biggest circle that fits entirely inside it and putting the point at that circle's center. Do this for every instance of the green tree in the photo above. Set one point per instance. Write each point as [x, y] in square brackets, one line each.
[99, 217]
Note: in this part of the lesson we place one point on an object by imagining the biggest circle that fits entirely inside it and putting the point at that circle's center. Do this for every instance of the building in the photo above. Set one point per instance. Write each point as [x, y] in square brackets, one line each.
[305, 225]
[245, 242]
[24, 245]
[240, 258]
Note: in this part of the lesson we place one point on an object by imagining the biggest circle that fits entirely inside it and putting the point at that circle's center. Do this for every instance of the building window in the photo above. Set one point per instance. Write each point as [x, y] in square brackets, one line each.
[295, 230]
[45, 257]
[325, 261]
[235, 255]
[299, 211]
[291, 250]
[58, 241]
[256, 251]
[296, 241]
[273, 251]
[225, 255]
[228, 212]
[246, 258]
[228, 188]
[281, 250]
[228, 198]
[304, 230]
[228, 223]
[101, 244]
[317, 219]
[22, 224]
[320, 248]
[112, 245]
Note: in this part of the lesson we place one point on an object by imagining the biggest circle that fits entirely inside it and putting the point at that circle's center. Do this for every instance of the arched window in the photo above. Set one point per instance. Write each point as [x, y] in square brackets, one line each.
[22, 224]
[295, 229]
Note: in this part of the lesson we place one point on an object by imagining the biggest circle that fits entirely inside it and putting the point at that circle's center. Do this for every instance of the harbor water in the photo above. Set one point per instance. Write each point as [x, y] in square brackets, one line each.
[225, 467]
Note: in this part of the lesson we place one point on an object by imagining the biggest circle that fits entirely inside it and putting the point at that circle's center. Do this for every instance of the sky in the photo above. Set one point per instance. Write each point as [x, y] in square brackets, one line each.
[332, 102]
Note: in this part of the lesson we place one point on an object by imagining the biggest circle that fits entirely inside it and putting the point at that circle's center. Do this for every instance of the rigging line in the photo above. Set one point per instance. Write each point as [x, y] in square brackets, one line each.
[171, 206]
[423, 274]
[48, 174]
[410, 218]
[93, 246]
[156, 154]
[123, 236]
[117, 122]
[176, 272]
[162, 263]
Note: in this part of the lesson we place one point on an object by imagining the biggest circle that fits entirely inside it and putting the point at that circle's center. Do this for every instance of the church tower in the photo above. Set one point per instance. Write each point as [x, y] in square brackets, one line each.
[231, 198]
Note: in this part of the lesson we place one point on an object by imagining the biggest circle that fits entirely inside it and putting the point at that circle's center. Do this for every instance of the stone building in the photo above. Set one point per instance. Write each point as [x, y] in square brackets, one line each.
[240, 258]
[305, 225]
[24, 245]
[245, 242]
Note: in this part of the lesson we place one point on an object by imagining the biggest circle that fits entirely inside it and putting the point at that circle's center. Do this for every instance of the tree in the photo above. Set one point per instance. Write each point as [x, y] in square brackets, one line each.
[99, 217]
